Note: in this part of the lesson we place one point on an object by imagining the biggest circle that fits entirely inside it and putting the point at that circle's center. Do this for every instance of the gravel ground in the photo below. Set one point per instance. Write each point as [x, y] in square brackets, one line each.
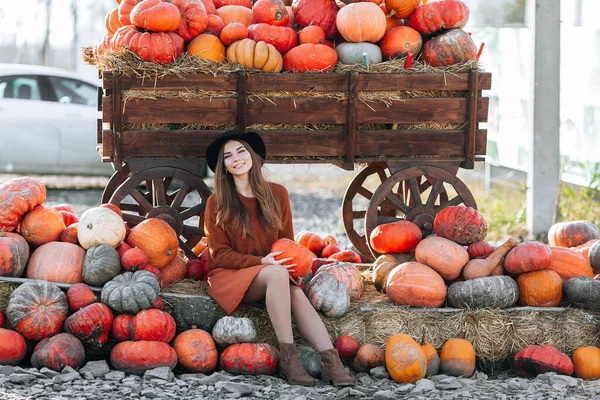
[316, 194]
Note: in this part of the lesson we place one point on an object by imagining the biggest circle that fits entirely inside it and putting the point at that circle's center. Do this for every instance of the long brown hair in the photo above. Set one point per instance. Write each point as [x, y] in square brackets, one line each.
[231, 214]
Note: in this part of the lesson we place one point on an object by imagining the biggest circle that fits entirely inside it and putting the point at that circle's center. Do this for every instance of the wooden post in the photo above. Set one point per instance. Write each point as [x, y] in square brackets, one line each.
[241, 101]
[116, 111]
[352, 118]
[544, 152]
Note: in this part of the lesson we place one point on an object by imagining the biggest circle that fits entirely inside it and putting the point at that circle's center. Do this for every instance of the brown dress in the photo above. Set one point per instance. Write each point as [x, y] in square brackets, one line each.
[235, 261]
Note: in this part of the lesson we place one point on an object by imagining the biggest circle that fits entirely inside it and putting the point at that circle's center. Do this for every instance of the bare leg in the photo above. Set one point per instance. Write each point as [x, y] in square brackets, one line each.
[308, 321]
[272, 284]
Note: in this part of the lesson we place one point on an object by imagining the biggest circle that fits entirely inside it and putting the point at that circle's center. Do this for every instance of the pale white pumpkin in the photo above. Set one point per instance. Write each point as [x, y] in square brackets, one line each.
[100, 226]
[352, 53]
[232, 330]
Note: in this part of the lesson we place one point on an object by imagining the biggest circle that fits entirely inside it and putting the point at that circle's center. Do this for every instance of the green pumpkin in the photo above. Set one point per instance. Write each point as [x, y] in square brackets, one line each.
[101, 264]
[131, 292]
[196, 313]
[583, 292]
[352, 53]
[311, 360]
[488, 292]
[232, 330]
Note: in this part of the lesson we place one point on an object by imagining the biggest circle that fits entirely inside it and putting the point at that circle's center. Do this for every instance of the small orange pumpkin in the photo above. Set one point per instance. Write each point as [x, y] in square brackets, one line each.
[405, 359]
[42, 225]
[155, 15]
[302, 257]
[540, 288]
[457, 358]
[233, 32]
[402, 8]
[207, 46]
[395, 237]
[401, 41]
[586, 362]
[196, 351]
[157, 239]
[368, 357]
[312, 34]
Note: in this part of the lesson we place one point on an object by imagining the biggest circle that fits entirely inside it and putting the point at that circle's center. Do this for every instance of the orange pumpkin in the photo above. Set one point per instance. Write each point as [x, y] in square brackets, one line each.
[80, 295]
[272, 12]
[457, 358]
[155, 15]
[111, 22]
[151, 324]
[249, 358]
[312, 34]
[416, 285]
[405, 359]
[17, 197]
[572, 233]
[401, 41]
[302, 257]
[207, 46]
[42, 225]
[242, 3]
[173, 272]
[540, 288]
[233, 32]
[310, 240]
[368, 357]
[384, 264]
[194, 18]
[12, 347]
[14, 253]
[584, 249]
[196, 351]
[234, 13]
[569, 264]
[200, 246]
[159, 47]
[134, 259]
[56, 262]
[402, 8]
[361, 22]
[433, 358]
[444, 256]
[310, 57]
[125, 7]
[138, 357]
[395, 237]
[157, 239]
[215, 25]
[451, 47]
[586, 362]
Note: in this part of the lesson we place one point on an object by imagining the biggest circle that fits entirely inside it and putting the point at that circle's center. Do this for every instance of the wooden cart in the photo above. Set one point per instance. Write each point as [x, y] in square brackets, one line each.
[414, 169]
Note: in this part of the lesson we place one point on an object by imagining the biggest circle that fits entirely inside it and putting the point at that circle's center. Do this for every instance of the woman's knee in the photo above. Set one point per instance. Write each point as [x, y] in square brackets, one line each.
[276, 274]
[297, 294]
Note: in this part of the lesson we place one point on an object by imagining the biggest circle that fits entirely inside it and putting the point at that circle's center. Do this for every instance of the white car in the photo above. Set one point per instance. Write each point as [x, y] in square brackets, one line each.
[48, 119]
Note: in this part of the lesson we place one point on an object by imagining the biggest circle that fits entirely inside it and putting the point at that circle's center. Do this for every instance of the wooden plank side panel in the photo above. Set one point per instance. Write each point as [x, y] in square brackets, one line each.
[182, 82]
[164, 111]
[107, 112]
[107, 144]
[188, 143]
[297, 82]
[421, 110]
[387, 82]
[399, 143]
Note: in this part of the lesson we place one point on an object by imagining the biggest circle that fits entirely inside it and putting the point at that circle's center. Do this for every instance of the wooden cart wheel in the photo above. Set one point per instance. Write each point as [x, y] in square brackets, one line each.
[353, 212]
[171, 194]
[430, 189]
[114, 182]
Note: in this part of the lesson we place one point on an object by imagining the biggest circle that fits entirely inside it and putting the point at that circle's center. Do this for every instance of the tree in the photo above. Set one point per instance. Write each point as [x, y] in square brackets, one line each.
[45, 51]
[75, 43]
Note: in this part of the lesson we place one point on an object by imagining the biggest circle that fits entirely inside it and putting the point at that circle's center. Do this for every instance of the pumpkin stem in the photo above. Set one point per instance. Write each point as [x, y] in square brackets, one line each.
[480, 50]
[409, 60]
[365, 58]
[423, 337]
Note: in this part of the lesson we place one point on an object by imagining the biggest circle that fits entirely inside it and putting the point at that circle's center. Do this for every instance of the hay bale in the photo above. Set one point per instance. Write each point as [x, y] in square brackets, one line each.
[6, 290]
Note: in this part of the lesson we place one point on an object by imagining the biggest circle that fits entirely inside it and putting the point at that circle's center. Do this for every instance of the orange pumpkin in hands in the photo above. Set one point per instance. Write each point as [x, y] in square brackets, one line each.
[302, 257]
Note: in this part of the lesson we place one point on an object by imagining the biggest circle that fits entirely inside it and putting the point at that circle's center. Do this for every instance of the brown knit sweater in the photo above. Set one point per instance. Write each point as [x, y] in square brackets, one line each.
[232, 251]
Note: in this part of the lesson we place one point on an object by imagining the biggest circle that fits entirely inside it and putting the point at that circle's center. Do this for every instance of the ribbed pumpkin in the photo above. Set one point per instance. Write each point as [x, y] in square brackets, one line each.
[151, 325]
[348, 274]
[452, 47]
[255, 54]
[361, 22]
[346, 346]
[540, 289]
[131, 292]
[281, 37]
[401, 41]
[12, 347]
[433, 358]
[158, 47]
[235, 13]
[271, 12]
[416, 285]
[155, 15]
[37, 310]
[192, 313]
[405, 359]
[438, 15]
[328, 295]
[194, 18]
[100, 225]
[572, 233]
[173, 272]
[14, 253]
[527, 257]
[111, 21]
[91, 325]
[80, 295]
[368, 357]
[233, 33]
[196, 351]
[384, 264]
[488, 292]
[302, 257]
[232, 330]
[125, 7]
[56, 262]
[249, 359]
[317, 12]
[479, 250]
[41, 225]
[101, 264]
[583, 292]
[457, 358]
[594, 256]
[534, 360]
[352, 53]
[569, 264]
[311, 361]
[463, 225]
[139, 357]
[17, 197]
[402, 8]
[310, 57]
[586, 362]
[395, 237]
[58, 352]
[444, 256]
[157, 239]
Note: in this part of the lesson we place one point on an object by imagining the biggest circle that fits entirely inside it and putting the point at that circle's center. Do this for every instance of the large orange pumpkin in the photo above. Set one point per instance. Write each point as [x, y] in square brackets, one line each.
[302, 257]
[56, 262]
[159, 47]
[157, 239]
[400, 41]
[155, 15]
[437, 15]
[384, 264]
[42, 225]
[395, 237]
[405, 359]
[569, 264]
[14, 253]
[361, 22]
[12, 347]
[540, 289]
[457, 358]
[17, 197]
[207, 46]
[196, 351]
[310, 57]
[445, 256]
[416, 285]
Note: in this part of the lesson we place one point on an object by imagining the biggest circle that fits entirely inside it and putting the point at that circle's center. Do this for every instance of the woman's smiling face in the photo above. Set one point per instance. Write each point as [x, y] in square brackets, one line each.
[238, 160]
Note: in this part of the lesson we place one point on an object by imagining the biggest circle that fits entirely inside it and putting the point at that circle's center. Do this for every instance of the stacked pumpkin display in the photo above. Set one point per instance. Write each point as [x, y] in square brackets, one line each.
[271, 36]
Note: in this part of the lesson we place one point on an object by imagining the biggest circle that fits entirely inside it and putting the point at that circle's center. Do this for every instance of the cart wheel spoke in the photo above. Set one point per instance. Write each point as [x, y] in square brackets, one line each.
[193, 230]
[398, 203]
[454, 202]
[114, 182]
[138, 196]
[415, 193]
[180, 196]
[359, 214]
[435, 189]
[366, 193]
[187, 249]
[134, 219]
[193, 211]
[158, 192]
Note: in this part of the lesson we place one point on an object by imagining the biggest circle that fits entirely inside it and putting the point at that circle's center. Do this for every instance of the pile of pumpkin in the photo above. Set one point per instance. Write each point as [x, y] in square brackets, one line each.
[456, 265]
[308, 35]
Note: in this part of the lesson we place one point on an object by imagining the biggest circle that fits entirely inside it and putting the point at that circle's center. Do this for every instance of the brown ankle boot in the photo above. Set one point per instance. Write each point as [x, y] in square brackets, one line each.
[291, 366]
[333, 369]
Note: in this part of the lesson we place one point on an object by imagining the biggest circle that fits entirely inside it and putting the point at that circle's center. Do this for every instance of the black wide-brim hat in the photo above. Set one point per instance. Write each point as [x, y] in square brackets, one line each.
[252, 138]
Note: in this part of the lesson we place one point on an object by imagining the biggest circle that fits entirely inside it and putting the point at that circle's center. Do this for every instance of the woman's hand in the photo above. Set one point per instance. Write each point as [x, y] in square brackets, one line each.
[269, 259]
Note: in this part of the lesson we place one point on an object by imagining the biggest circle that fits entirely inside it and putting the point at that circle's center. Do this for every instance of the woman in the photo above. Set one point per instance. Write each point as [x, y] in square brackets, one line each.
[243, 218]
